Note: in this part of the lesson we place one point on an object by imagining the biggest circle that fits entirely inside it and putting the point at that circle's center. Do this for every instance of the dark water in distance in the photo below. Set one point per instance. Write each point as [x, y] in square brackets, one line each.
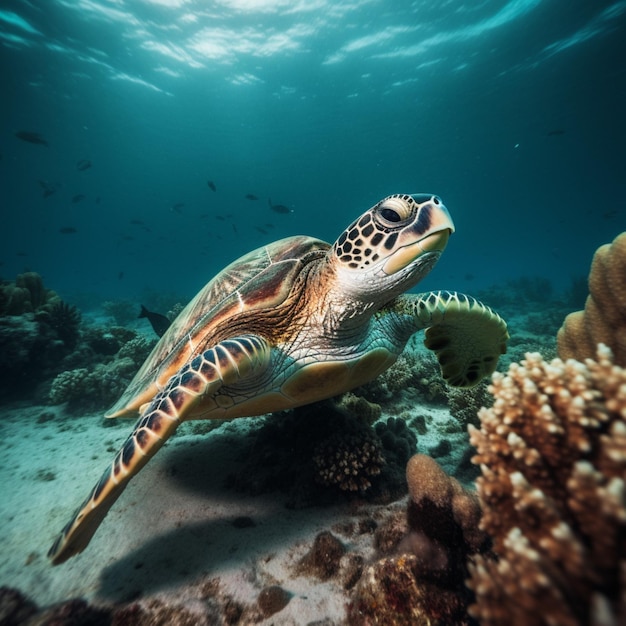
[513, 112]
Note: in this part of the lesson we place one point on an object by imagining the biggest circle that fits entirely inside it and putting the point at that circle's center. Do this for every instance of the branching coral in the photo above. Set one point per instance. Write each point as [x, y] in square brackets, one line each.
[604, 318]
[552, 450]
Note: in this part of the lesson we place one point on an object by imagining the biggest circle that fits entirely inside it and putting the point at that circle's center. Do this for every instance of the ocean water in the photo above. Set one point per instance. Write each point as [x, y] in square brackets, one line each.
[145, 144]
[513, 112]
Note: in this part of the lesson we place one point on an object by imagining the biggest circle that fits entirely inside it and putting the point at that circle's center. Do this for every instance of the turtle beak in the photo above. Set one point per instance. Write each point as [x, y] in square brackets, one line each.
[434, 242]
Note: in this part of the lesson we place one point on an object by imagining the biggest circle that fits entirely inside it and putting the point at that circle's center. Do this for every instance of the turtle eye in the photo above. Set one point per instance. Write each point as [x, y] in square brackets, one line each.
[390, 215]
[393, 211]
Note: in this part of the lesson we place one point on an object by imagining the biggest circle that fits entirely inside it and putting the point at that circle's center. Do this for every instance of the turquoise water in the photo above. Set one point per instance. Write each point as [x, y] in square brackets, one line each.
[513, 112]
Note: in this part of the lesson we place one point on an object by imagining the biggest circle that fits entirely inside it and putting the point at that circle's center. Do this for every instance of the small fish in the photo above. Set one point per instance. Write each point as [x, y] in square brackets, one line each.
[279, 208]
[83, 164]
[235, 229]
[30, 137]
[139, 222]
[98, 200]
[77, 198]
[554, 133]
[120, 276]
[269, 225]
[48, 188]
[211, 185]
[221, 218]
[128, 238]
[607, 215]
[250, 196]
[261, 230]
[67, 230]
[159, 322]
[21, 254]
[178, 206]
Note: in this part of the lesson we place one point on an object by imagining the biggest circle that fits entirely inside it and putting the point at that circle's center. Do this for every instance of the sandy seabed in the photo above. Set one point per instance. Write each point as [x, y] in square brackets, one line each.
[176, 526]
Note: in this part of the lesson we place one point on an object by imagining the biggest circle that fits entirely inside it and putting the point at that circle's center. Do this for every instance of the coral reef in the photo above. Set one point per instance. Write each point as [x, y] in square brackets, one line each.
[603, 319]
[19, 343]
[416, 371]
[390, 591]
[464, 403]
[422, 581]
[322, 561]
[37, 331]
[26, 295]
[16, 609]
[122, 312]
[348, 460]
[552, 450]
[97, 388]
[137, 349]
[64, 319]
[295, 451]
[399, 442]
[360, 406]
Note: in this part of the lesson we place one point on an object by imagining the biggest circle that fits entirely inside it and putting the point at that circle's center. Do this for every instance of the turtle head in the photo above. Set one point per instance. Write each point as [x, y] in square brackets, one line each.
[391, 247]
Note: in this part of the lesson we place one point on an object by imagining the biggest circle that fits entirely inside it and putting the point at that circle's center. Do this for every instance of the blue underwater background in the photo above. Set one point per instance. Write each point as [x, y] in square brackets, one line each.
[146, 144]
[512, 112]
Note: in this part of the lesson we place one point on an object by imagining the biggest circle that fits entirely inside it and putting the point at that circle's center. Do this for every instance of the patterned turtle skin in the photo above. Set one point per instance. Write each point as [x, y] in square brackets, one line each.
[294, 322]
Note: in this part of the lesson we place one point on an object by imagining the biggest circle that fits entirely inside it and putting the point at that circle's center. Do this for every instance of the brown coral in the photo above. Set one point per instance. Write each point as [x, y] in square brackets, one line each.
[390, 592]
[443, 521]
[604, 318]
[552, 450]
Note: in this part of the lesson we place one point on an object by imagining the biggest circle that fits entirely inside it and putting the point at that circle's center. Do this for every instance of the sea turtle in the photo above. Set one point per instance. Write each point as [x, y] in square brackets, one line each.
[293, 322]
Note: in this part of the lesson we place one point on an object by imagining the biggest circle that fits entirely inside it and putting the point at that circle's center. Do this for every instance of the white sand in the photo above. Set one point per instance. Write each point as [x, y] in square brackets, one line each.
[170, 529]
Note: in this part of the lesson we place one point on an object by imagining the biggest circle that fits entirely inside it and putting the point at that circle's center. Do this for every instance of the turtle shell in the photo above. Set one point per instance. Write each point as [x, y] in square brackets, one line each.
[261, 279]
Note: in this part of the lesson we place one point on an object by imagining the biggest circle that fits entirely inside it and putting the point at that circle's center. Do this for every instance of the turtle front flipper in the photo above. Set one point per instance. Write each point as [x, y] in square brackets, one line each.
[466, 335]
[226, 363]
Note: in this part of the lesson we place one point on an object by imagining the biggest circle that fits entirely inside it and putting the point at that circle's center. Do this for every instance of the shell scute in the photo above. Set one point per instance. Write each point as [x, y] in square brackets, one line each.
[260, 279]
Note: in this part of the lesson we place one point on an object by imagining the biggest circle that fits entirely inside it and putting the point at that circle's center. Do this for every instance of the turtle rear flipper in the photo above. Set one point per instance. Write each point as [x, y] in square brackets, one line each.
[467, 337]
[227, 362]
